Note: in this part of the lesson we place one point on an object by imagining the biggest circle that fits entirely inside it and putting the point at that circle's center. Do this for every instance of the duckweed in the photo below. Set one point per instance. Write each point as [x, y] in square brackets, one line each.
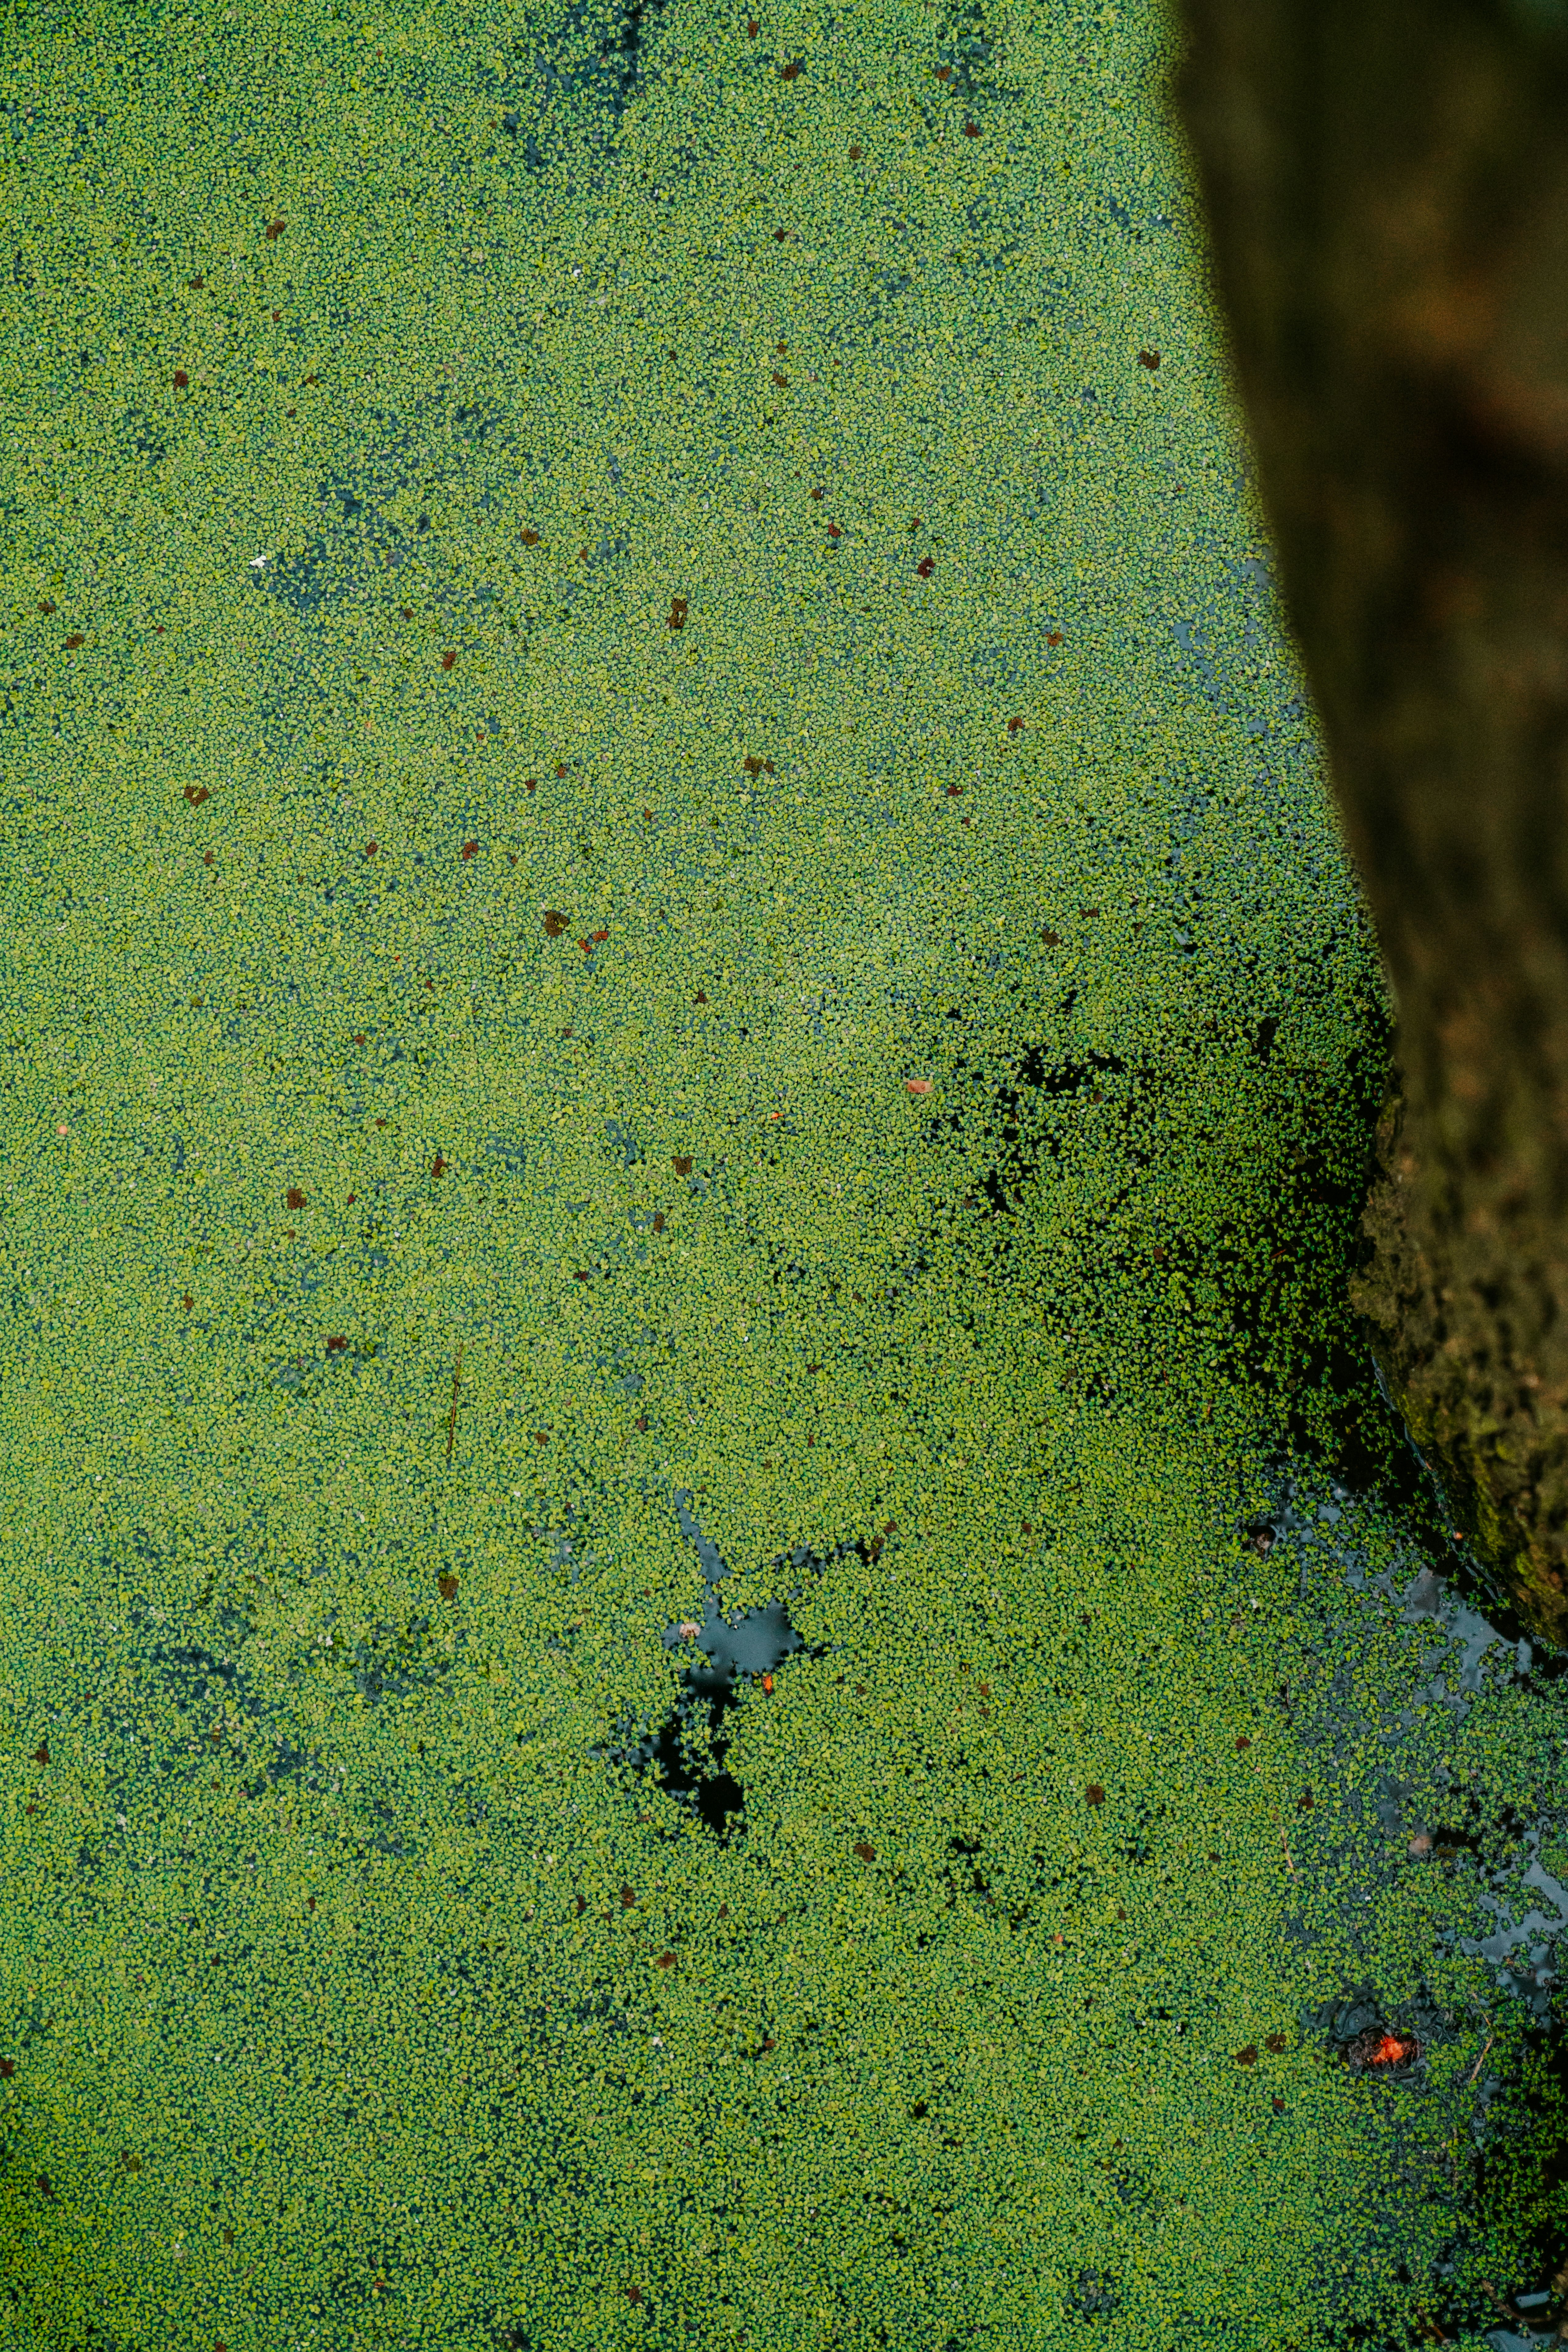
[681, 1003]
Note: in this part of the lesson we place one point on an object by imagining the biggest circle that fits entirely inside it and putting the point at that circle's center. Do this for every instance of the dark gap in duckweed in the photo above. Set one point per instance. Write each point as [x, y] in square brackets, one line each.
[733, 1652]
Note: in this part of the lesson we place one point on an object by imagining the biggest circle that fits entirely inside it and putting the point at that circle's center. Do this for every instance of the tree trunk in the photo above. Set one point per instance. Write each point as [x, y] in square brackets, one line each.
[1386, 184]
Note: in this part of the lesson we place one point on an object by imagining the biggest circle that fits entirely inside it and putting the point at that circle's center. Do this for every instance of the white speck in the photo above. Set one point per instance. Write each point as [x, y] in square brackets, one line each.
[659, 2042]
[258, 561]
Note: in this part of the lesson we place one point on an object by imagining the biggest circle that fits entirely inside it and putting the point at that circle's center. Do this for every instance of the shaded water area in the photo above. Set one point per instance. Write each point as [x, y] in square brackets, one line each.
[712, 1634]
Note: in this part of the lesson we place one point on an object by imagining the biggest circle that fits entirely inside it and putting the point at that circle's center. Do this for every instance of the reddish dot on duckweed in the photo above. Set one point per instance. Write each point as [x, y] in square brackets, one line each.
[446, 1586]
[1053, 637]
[41, 1752]
[209, 858]
[856, 154]
[833, 532]
[819, 494]
[1094, 1793]
[925, 567]
[438, 1166]
[1028, 1528]
[780, 234]
[789, 72]
[954, 791]
[447, 659]
[677, 613]
[7, 2067]
[751, 29]
[866, 1853]
[358, 1037]
[196, 795]
[600, 935]
[1276, 2043]
[334, 1344]
[1149, 359]
[665, 1959]
[405, 612]
[1013, 725]
[275, 228]
[700, 997]
[531, 539]
[1248, 2057]
[944, 73]
[658, 1221]
[74, 641]
[180, 379]
[370, 847]
[627, 1898]
[918, 1085]
[1241, 1743]
[560, 770]
[294, 1198]
[634, 2294]
[471, 850]
[1304, 1801]
[681, 1164]
[972, 129]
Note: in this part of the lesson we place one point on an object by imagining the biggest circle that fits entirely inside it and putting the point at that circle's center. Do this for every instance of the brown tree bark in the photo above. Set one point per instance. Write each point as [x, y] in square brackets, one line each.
[1387, 182]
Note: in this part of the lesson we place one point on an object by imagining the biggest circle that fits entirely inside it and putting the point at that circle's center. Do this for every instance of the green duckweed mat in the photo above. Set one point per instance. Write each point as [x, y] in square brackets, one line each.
[687, 1660]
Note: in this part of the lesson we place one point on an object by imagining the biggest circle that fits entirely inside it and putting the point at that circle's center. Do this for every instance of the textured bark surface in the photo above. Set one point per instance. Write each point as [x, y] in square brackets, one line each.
[1387, 192]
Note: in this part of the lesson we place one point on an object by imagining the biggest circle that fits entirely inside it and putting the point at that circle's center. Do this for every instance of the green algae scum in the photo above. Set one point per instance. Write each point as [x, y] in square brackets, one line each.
[712, 1636]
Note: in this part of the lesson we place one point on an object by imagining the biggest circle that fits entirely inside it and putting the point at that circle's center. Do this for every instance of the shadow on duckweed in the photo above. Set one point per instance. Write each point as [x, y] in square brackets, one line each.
[1393, 1791]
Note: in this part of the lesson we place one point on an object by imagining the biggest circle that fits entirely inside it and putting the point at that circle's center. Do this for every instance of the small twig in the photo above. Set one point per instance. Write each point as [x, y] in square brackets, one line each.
[452, 1416]
[1280, 1826]
[1476, 2067]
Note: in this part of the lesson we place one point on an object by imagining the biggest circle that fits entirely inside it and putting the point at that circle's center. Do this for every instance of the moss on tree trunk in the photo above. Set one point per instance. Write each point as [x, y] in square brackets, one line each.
[1387, 192]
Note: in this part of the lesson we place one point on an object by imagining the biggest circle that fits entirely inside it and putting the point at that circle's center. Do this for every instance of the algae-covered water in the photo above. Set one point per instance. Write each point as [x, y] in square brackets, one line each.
[710, 1634]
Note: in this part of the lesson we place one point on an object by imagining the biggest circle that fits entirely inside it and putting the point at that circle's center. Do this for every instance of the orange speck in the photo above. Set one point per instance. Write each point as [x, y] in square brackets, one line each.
[767, 1682]
[918, 1085]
